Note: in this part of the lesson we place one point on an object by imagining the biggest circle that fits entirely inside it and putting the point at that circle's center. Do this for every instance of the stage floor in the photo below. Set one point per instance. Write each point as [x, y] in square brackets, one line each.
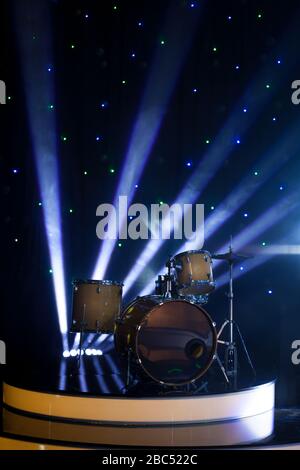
[74, 411]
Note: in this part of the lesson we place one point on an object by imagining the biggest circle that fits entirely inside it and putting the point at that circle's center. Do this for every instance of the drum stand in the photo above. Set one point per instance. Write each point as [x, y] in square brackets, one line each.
[230, 346]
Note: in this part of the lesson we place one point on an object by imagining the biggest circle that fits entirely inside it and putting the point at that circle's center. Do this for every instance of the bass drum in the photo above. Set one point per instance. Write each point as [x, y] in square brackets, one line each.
[173, 341]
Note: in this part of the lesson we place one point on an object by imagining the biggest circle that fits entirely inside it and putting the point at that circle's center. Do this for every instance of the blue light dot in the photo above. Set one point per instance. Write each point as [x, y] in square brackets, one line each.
[278, 61]
[98, 138]
[140, 24]
[104, 104]
[192, 5]
[86, 15]
[49, 69]
[212, 208]
[281, 188]
[130, 217]
[40, 204]
[16, 240]
[263, 244]
[133, 55]
[50, 271]
[237, 67]
[188, 164]
[256, 173]
[270, 292]
[244, 110]
[274, 118]
[241, 268]
[195, 90]
[238, 141]
[136, 186]
[229, 18]
[267, 85]
[245, 214]
[119, 244]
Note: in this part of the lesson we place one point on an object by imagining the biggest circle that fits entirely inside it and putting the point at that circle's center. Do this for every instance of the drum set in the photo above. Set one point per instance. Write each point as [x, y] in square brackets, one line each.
[167, 338]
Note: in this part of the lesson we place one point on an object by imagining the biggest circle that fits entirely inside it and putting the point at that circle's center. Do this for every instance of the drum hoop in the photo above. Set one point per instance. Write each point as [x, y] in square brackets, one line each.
[186, 253]
[213, 351]
[197, 283]
[97, 282]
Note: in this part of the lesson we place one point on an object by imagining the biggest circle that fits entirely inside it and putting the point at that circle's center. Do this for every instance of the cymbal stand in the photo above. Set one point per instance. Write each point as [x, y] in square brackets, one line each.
[231, 355]
[168, 293]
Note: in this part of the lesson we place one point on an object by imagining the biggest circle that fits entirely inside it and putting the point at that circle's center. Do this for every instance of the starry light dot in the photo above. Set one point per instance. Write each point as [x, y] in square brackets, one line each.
[238, 141]
[124, 82]
[64, 138]
[16, 240]
[112, 170]
[207, 141]
[263, 244]
[278, 61]
[85, 172]
[9, 98]
[119, 244]
[241, 268]
[115, 7]
[212, 208]
[259, 16]
[256, 173]
[237, 67]
[162, 42]
[132, 55]
[195, 90]
[189, 164]
[97, 138]
[140, 24]
[40, 204]
[15, 171]
[49, 69]
[50, 106]
[270, 292]
[214, 49]
[229, 18]
[244, 110]
[72, 46]
[71, 211]
[281, 188]
[245, 214]
[136, 186]
[274, 119]
[50, 271]
[267, 85]
[161, 203]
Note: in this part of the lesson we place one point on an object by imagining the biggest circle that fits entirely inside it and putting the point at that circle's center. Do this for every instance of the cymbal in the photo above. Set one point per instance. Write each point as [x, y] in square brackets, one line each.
[230, 256]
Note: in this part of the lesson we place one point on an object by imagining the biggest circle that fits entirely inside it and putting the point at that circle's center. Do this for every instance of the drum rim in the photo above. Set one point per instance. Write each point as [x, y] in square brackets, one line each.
[104, 282]
[191, 252]
[212, 355]
[197, 282]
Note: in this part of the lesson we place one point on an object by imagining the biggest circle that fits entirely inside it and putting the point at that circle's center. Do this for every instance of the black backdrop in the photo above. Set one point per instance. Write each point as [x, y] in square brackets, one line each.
[91, 73]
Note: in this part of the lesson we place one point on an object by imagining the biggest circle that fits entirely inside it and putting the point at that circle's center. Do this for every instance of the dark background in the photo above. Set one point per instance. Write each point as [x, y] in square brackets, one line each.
[92, 73]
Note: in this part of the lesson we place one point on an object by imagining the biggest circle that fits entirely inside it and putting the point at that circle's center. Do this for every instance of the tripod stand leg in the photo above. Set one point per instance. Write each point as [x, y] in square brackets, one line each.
[222, 368]
[245, 348]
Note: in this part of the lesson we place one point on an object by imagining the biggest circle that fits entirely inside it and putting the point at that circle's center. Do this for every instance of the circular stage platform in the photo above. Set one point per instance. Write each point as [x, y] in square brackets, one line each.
[35, 418]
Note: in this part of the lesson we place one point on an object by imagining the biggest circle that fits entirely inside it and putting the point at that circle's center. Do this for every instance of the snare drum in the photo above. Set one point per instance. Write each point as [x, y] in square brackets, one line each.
[193, 273]
[96, 305]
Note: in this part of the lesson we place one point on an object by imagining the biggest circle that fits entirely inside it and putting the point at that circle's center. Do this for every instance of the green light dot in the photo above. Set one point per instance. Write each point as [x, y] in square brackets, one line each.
[162, 42]
[263, 244]
[111, 170]
[214, 49]
[115, 7]
[119, 245]
[212, 208]
[40, 204]
[267, 86]
[161, 203]
[207, 141]
[85, 172]
[256, 173]
[50, 271]
[259, 15]
[71, 211]
[64, 138]
[124, 82]
[72, 46]
[50, 106]
[9, 98]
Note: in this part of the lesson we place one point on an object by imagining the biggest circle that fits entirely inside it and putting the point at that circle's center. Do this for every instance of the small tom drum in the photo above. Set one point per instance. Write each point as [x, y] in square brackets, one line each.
[96, 305]
[193, 273]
